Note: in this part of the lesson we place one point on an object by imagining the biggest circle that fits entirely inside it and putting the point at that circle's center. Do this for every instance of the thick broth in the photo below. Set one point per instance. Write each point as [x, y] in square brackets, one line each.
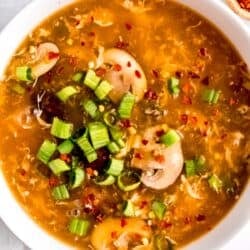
[167, 40]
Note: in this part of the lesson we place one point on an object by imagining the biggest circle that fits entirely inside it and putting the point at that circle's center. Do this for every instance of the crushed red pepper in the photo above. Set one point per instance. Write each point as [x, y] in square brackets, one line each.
[244, 4]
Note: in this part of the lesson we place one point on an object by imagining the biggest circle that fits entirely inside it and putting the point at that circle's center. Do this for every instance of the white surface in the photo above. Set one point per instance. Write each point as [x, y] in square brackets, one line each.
[7, 240]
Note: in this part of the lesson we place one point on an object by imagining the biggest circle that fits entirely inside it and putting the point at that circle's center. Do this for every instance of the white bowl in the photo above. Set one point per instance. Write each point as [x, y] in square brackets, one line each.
[10, 211]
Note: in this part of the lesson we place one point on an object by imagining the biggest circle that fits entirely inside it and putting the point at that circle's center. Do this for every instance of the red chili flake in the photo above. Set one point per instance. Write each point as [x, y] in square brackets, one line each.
[91, 33]
[98, 216]
[65, 157]
[200, 217]
[121, 45]
[59, 70]
[49, 77]
[215, 112]
[165, 224]
[125, 123]
[138, 156]
[193, 119]
[123, 222]
[155, 73]
[129, 64]
[137, 73]
[244, 4]
[232, 101]
[100, 72]
[91, 197]
[223, 136]
[150, 95]
[144, 142]
[52, 55]
[179, 74]
[206, 81]
[159, 158]
[117, 67]
[143, 204]
[77, 22]
[22, 172]
[186, 100]
[90, 171]
[203, 52]
[193, 75]
[187, 220]
[114, 235]
[73, 60]
[82, 43]
[128, 26]
[160, 133]
[184, 119]
[206, 123]
[186, 88]
[53, 181]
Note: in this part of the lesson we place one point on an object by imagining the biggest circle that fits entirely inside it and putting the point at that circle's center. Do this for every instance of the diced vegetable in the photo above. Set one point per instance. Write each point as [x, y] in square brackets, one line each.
[105, 180]
[61, 129]
[65, 93]
[60, 192]
[159, 209]
[124, 181]
[17, 88]
[113, 148]
[173, 86]
[126, 106]
[91, 108]
[110, 118]
[98, 134]
[170, 138]
[58, 166]
[129, 209]
[65, 147]
[78, 77]
[116, 133]
[77, 177]
[79, 227]
[24, 73]
[193, 167]
[46, 151]
[162, 243]
[115, 167]
[103, 90]
[121, 143]
[215, 183]
[87, 148]
[211, 96]
[91, 79]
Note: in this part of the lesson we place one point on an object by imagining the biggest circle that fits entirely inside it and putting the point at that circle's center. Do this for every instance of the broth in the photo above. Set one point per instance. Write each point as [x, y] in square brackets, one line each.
[197, 87]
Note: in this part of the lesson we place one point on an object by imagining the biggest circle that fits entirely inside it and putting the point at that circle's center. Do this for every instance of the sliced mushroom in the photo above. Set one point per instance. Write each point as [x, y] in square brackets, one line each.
[46, 58]
[158, 174]
[129, 76]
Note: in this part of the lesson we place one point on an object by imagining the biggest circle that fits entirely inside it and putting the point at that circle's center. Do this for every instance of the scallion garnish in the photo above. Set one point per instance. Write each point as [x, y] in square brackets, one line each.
[103, 90]
[60, 192]
[46, 150]
[129, 209]
[61, 129]
[24, 73]
[76, 177]
[170, 138]
[194, 167]
[65, 147]
[79, 227]
[126, 106]
[116, 133]
[91, 108]
[215, 183]
[65, 93]
[91, 79]
[110, 118]
[58, 166]
[78, 77]
[115, 167]
[98, 134]
[211, 96]
[173, 86]
[159, 209]
[113, 148]
[128, 181]
[105, 180]
[87, 148]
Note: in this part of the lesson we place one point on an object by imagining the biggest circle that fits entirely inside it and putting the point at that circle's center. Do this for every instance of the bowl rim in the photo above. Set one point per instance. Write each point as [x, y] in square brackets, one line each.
[10, 210]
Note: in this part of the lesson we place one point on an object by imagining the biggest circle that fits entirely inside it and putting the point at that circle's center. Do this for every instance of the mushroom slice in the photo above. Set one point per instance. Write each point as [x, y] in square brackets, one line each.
[46, 58]
[130, 75]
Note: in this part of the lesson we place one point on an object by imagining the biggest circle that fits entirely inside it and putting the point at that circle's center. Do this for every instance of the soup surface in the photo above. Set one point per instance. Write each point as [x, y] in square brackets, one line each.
[125, 125]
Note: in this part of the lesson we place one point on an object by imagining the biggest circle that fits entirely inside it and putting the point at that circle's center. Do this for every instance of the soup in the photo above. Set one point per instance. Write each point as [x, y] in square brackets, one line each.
[125, 125]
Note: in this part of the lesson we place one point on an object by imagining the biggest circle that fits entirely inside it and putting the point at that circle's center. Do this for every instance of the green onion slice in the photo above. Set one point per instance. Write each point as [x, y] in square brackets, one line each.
[65, 93]
[66, 147]
[58, 166]
[173, 86]
[87, 148]
[24, 73]
[103, 90]
[128, 181]
[105, 180]
[61, 129]
[77, 177]
[79, 227]
[116, 133]
[110, 118]
[91, 79]
[170, 138]
[46, 150]
[91, 108]
[211, 96]
[113, 148]
[78, 77]
[215, 183]
[60, 192]
[159, 209]
[126, 106]
[129, 209]
[115, 167]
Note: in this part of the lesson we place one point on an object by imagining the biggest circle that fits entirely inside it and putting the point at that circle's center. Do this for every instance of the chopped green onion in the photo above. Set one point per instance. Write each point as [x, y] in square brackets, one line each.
[126, 106]
[103, 90]
[127, 186]
[61, 129]
[24, 73]
[91, 79]
[17, 88]
[91, 108]
[79, 227]
[215, 183]
[211, 96]
[115, 167]
[162, 243]
[106, 180]
[87, 148]
[170, 138]
[159, 209]
[65, 93]
[58, 166]
[121, 143]
[60, 192]
[46, 150]
[193, 167]
[113, 148]
[129, 209]
[65, 147]
[116, 133]
[75, 162]
[109, 118]
[77, 177]
[78, 77]
[173, 86]
[98, 134]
